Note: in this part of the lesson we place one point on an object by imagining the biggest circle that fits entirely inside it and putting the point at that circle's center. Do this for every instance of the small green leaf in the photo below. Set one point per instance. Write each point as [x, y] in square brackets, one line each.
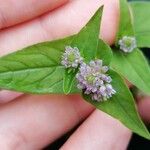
[121, 106]
[104, 52]
[134, 67]
[35, 69]
[125, 25]
[141, 14]
[86, 41]
[68, 80]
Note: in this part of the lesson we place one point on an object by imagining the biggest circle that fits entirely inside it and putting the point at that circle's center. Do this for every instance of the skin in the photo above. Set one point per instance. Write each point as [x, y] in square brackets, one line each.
[32, 122]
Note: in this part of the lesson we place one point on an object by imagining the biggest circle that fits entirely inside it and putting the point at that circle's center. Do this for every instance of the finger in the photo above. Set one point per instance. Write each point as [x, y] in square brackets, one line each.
[64, 21]
[143, 107]
[6, 96]
[14, 11]
[99, 131]
[32, 122]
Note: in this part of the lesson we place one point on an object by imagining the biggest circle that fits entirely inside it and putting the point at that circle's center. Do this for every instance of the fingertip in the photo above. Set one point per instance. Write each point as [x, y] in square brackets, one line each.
[99, 131]
[78, 102]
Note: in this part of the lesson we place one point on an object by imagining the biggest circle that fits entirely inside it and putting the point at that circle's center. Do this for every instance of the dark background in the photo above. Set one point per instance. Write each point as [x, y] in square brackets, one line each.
[136, 143]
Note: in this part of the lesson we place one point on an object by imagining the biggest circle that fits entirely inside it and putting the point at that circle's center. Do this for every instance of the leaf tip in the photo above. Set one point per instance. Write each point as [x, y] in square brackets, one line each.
[66, 91]
[98, 13]
[100, 10]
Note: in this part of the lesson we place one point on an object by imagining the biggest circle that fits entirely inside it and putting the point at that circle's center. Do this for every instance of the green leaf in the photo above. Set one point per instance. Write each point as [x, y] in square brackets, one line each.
[141, 14]
[86, 41]
[35, 69]
[134, 67]
[125, 25]
[121, 106]
[69, 79]
[104, 52]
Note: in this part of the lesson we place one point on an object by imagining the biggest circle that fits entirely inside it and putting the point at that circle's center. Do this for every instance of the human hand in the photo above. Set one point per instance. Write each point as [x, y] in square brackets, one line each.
[31, 121]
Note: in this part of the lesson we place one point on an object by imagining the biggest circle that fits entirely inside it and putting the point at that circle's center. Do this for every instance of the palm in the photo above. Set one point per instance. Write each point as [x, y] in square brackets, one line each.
[32, 122]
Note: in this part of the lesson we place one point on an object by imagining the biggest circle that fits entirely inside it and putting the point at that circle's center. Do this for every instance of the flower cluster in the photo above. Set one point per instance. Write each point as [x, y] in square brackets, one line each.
[127, 44]
[93, 80]
[71, 57]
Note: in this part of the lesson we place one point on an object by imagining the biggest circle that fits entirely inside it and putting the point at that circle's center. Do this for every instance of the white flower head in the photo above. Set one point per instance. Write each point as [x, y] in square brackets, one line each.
[93, 80]
[127, 44]
[71, 57]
